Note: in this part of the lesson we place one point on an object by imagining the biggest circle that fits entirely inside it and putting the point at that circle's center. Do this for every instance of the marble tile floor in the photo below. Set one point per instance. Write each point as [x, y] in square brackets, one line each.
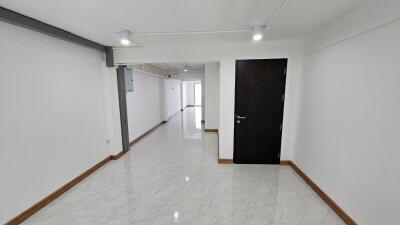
[172, 177]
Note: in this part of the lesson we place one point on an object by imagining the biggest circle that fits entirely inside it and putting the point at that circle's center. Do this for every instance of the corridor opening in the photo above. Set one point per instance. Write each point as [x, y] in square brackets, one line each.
[197, 94]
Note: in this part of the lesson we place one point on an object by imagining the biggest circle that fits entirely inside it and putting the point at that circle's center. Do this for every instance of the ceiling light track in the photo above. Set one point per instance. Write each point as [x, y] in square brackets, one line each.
[257, 30]
[192, 32]
[274, 16]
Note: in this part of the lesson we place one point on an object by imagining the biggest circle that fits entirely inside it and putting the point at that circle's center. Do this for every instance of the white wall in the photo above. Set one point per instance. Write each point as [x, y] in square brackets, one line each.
[172, 96]
[111, 109]
[144, 104]
[211, 83]
[348, 124]
[53, 117]
[226, 54]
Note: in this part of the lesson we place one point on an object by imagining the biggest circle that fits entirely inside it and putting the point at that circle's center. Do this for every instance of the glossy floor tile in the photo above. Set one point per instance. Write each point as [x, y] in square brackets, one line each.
[172, 177]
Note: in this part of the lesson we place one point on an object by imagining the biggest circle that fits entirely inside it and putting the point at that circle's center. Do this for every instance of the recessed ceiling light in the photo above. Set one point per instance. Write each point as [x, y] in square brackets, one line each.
[125, 37]
[258, 32]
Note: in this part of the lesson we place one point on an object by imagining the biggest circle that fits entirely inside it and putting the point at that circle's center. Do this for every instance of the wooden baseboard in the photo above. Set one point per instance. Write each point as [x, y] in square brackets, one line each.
[225, 161]
[171, 116]
[211, 130]
[335, 207]
[332, 204]
[42, 203]
[145, 134]
[285, 162]
[117, 156]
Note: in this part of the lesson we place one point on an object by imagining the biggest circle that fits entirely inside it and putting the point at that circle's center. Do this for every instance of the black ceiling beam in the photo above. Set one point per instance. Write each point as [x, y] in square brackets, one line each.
[18, 19]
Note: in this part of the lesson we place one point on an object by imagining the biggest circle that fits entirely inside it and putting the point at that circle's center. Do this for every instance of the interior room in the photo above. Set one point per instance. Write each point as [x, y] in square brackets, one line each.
[239, 112]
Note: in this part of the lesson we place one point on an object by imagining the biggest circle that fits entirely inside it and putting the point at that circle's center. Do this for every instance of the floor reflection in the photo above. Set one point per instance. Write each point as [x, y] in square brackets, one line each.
[191, 121]
[172, 177]
[197, 113]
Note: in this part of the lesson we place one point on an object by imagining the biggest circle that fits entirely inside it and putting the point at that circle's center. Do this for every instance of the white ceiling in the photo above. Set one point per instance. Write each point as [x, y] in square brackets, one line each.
[100, 20]
[179, 66]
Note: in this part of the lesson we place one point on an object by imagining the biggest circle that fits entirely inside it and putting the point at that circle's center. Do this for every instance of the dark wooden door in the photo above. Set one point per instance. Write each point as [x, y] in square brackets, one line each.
[259, 100]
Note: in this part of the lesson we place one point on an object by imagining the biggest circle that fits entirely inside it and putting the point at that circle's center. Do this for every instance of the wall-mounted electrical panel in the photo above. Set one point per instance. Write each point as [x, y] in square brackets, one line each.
[128, 79]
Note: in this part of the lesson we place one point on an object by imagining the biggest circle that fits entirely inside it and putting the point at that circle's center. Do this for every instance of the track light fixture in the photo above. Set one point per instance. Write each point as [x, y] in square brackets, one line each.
[258, 32]
[186, 68]
[125, 37]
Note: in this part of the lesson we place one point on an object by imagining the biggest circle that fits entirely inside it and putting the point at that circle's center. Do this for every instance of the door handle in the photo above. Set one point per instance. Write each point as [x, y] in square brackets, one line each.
[241, 117]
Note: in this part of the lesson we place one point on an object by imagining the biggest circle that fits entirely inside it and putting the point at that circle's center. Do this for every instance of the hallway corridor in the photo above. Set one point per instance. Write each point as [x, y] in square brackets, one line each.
[172, 177]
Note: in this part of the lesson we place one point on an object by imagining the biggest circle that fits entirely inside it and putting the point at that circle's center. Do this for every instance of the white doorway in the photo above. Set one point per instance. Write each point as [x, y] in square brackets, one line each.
[197, 94]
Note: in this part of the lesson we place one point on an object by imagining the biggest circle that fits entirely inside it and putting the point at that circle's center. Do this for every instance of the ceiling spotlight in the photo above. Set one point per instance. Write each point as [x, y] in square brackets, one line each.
[125, 37]
[257, 37]
[258, 32]
[186, 68]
